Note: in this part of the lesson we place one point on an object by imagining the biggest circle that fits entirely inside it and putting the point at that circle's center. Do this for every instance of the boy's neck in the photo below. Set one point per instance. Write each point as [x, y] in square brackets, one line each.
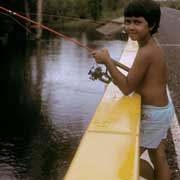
[145, 41]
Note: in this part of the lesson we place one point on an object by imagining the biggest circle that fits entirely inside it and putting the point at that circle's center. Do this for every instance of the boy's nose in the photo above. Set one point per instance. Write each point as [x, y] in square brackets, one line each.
[131, 26]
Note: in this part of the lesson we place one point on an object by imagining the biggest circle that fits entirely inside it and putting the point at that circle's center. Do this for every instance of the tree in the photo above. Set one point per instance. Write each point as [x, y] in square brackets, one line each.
[39, 17]
[95, 8]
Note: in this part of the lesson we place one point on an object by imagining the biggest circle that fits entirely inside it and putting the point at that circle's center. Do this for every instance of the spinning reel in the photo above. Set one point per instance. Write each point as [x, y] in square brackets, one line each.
[98, 73]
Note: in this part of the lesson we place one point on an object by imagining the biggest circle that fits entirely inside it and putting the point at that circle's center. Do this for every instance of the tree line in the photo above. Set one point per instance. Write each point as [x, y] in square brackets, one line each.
[82, 8]
[94, 9]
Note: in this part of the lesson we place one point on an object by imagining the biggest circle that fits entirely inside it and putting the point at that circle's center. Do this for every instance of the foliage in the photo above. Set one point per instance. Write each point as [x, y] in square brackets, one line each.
[69, 8]
[112, 5]
[95, 8]
[83, 8]
[58, 11]
[172, 4]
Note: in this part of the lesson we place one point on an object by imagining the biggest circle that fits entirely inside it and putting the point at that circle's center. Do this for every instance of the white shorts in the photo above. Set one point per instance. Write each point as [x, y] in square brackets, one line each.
[155, 122]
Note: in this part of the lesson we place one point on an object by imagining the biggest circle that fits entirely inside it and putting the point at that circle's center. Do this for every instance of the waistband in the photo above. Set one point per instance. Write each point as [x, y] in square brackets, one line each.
[169, 105]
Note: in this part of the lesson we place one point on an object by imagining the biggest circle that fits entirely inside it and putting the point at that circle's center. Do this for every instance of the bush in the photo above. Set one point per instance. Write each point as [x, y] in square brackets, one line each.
[172, 4]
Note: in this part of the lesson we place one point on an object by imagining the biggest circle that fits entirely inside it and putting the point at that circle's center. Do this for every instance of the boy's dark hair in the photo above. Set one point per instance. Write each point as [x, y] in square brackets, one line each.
[148, 9]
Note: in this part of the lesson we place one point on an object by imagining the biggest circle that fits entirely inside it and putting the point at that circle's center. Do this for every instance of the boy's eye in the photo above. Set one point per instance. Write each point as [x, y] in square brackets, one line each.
[127, 22]
[137, 22]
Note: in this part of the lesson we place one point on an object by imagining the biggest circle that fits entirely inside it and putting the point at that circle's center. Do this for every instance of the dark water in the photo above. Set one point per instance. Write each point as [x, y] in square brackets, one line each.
[47, 101]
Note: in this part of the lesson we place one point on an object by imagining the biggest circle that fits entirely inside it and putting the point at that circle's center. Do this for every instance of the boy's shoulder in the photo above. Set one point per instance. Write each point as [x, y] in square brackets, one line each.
[144, 53]
[152, 51]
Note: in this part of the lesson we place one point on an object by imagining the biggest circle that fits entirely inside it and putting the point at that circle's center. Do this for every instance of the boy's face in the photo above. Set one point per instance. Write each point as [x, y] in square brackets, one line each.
[137, 28]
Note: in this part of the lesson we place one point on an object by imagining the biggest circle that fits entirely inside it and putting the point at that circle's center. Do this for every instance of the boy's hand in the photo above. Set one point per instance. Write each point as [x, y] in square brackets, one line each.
[101, 56]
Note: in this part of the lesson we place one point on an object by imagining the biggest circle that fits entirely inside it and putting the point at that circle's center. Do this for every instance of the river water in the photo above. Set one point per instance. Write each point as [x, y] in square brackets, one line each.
[47, 101]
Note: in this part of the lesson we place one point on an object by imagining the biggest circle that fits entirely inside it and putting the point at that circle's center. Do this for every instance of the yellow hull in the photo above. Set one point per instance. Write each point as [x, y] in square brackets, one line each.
[109, 149]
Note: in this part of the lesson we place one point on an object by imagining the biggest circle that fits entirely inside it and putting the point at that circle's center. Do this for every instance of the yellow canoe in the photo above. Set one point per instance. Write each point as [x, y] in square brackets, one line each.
[109, 149]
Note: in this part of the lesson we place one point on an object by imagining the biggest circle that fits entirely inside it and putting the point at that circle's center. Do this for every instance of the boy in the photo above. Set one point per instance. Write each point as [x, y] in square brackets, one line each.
[148, 76]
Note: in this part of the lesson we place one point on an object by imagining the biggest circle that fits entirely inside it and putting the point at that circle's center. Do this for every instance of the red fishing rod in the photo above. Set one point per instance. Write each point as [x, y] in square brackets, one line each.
[46, 28]
[96, 73]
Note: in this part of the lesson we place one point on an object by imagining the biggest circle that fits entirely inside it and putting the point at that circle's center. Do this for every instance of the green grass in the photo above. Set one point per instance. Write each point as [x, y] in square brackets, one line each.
[171, 4]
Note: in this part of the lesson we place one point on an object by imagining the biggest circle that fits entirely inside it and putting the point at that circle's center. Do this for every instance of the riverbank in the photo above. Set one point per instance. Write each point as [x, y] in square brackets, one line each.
[169, 39]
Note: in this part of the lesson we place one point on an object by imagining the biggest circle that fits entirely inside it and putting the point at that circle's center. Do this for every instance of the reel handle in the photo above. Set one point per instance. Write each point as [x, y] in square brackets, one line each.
[122, 66]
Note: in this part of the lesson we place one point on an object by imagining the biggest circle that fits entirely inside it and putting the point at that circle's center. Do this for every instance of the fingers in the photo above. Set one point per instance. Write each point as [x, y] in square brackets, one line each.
[93, 53]
[104, 50]
[96, 54]
[100, 56]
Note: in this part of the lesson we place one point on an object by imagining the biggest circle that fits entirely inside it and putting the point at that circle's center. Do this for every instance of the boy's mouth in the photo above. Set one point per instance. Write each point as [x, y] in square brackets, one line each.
[132, 34]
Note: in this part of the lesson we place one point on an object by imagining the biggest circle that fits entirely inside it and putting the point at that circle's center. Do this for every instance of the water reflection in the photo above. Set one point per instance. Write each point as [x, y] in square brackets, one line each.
[48, 100]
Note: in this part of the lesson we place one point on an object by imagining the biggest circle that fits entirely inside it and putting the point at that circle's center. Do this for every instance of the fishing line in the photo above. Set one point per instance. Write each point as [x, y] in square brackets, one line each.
[99, 22]
[96, 73]
[18, 22]
[47, 28]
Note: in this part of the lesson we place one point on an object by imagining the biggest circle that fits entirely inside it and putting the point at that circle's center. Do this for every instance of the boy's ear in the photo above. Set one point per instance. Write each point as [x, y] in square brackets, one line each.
[152, 27]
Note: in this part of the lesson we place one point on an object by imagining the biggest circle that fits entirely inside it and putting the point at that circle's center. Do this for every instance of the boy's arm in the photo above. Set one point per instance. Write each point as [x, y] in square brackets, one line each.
[122, 66]
[127, 84]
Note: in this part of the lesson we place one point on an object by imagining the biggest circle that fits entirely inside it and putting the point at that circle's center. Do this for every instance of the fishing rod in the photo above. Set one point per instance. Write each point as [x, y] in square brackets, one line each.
[46, 28]
[96, 73]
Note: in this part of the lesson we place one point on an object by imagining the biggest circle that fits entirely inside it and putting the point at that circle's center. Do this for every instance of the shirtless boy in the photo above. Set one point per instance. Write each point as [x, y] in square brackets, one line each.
[148, 76]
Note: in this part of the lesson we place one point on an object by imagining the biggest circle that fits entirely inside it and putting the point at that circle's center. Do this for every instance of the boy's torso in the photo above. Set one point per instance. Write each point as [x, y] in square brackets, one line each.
[153, 86]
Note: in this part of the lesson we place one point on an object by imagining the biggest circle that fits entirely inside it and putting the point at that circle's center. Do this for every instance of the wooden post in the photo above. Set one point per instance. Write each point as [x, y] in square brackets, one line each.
[26, 6]
[39, 18]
